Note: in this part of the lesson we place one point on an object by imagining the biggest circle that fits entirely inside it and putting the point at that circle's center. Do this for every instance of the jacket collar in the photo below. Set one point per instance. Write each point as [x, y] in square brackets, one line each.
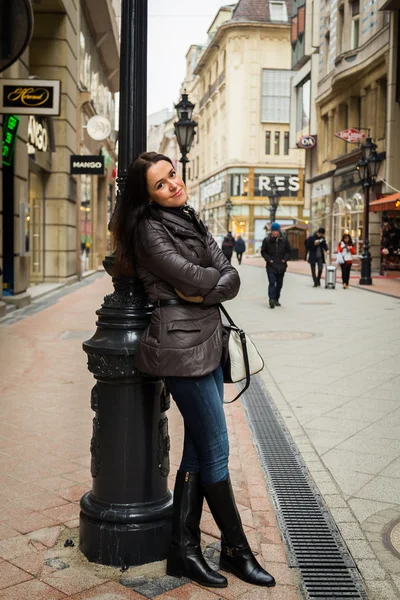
[180, 226]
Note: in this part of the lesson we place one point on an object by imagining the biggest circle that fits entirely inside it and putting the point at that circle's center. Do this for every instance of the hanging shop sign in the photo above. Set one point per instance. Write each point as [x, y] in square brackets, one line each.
[98, 127]
[10, 130]
[87, 164]
[30, 96]
[352, 136]
[38, 136]
[307, 142]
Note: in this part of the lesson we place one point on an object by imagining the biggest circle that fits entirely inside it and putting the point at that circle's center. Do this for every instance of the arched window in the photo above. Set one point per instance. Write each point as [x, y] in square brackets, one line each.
[357, 220]
[340, 221]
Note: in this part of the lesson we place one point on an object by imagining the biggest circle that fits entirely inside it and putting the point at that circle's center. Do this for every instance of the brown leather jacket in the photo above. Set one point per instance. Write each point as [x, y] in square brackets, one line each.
[183, 340]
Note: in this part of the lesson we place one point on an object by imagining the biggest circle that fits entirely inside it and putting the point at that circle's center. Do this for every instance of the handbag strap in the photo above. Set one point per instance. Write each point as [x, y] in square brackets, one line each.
[243, 341]
[227, 315]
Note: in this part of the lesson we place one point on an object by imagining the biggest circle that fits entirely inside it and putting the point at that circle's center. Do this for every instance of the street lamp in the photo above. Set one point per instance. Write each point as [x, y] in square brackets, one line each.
[211, 218]
[273, 201]
[368, 169]
[126, 517]
[228, 207]
[184, 129]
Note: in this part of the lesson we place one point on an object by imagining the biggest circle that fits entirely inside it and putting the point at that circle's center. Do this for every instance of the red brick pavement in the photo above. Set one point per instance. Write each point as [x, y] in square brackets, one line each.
[45, 429]
[381, 284]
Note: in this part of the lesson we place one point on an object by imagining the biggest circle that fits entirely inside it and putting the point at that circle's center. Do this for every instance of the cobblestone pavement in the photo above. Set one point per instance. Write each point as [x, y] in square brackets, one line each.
[332, 369]
[45, 430]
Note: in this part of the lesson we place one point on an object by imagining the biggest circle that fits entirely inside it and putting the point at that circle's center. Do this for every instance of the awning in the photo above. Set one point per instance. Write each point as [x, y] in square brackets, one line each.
[391, 202]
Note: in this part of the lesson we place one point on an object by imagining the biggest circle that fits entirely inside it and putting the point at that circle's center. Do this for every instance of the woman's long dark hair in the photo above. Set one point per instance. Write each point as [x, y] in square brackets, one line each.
[350, 242]
[132, 208]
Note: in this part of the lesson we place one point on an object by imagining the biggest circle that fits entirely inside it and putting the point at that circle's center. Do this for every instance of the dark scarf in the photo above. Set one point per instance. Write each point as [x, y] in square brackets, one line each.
[187, 213]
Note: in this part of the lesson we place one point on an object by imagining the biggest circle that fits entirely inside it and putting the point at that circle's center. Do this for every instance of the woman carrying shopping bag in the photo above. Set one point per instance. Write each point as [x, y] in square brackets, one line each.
[346, 252]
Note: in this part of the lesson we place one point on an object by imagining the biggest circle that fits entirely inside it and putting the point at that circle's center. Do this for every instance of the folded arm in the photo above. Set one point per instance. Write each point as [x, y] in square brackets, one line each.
[229, 283]
[162, 259]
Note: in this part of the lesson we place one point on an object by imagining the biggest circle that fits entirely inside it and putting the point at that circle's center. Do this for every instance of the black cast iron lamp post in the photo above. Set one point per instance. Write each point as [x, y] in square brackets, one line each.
[228, 207]
[368, 169]
[185, 130]
[126, 517]
[273, 201]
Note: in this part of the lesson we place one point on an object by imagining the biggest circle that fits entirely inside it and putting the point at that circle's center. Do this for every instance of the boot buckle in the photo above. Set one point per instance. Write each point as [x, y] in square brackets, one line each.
[228, 551]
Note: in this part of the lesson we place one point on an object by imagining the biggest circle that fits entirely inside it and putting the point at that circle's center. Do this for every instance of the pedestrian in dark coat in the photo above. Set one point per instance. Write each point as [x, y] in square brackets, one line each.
[317, 246]
[240, 249]
[227, 245]
[276, 252]
[186, 276]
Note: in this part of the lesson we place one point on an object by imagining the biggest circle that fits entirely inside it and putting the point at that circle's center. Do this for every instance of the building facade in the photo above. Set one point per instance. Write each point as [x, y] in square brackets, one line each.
[54, 223]
[240, 83]
[341, 55]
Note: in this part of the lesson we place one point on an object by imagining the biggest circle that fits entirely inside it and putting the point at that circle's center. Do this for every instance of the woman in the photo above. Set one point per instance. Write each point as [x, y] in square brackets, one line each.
[186, 275]
[347, 250]
[240, 248]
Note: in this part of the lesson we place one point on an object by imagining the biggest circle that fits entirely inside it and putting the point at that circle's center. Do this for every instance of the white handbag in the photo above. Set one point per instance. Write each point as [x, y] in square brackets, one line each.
[240, 358]
[339, 258]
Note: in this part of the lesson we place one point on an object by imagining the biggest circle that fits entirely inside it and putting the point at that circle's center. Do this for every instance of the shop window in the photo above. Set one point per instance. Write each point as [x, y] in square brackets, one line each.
[275, 101]
[277, 142]
[286, 143]
[347, 217]
[238, 184]
[267, 142]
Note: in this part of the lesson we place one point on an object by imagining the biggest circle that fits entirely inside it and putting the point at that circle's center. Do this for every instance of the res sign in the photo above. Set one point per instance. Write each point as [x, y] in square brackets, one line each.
[283, 183]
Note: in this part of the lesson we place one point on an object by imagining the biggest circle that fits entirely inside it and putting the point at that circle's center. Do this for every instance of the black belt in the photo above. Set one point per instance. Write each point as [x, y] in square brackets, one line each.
[172, 302]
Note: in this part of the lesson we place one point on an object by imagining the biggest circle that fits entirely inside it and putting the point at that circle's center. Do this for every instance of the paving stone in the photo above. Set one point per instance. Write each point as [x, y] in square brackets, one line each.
[364, 509]
[381, 590]
[371, 570]
[11, 575]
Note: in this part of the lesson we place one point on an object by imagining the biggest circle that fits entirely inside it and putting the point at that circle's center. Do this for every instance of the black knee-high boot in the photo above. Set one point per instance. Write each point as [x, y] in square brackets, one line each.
[236, 556]
[185, 558]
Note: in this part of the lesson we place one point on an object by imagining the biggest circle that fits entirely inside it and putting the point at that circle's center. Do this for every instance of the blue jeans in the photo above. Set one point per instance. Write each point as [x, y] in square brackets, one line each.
[206, 445]
[275, 284]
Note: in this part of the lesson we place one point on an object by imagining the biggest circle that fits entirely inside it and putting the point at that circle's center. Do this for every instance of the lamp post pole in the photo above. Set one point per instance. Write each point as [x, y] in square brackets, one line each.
[274, 201]
[368, 169]
[228, 206]
[126, 518]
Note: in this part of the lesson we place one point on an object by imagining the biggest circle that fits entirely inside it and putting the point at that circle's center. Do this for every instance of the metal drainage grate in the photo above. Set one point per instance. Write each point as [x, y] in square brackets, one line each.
[314, 542]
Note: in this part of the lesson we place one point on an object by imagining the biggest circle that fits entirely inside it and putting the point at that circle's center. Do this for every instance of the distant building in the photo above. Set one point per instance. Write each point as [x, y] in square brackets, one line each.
[241, 87]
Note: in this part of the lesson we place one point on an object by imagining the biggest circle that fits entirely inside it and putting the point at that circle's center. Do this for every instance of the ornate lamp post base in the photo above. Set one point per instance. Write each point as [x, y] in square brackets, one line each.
[126, 518]
[366, 278]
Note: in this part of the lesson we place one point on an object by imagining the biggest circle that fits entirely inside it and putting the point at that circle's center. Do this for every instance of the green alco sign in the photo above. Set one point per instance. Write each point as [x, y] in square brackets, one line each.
[30, 96]
[10, 129]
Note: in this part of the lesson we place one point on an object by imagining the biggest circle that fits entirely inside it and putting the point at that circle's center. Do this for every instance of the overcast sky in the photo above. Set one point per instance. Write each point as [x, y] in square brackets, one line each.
[173, 26]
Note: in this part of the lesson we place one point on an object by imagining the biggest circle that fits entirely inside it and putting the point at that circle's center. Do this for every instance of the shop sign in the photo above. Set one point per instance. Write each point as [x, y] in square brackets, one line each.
[10, 129]
[282, 183]
[98, 127]
[38, 137]
[307, 142]
[87, 164]
[321, 188]
[352, 136]
[30, 96]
